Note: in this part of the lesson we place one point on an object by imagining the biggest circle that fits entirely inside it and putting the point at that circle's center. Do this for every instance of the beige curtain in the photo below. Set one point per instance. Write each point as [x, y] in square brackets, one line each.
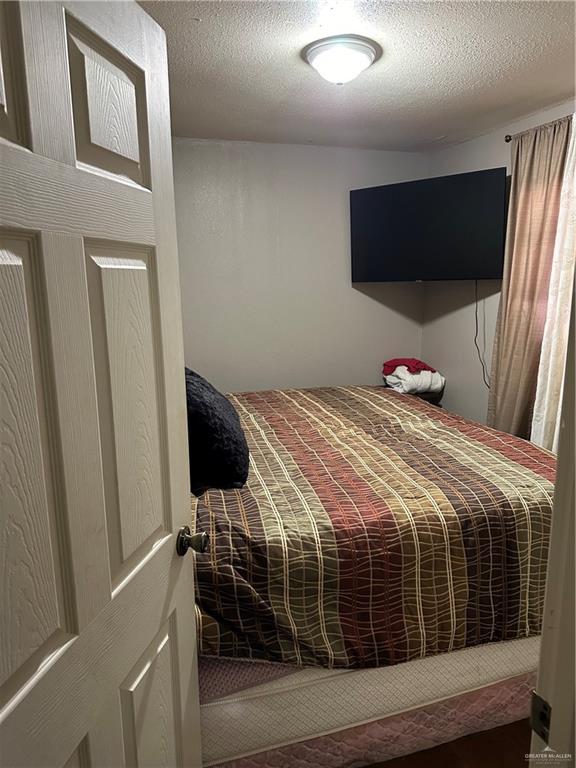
[547, 404]
[538, 162]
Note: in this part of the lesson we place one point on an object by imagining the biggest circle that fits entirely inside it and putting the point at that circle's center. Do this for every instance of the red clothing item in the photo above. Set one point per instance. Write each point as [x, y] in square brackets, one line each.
[412, 363]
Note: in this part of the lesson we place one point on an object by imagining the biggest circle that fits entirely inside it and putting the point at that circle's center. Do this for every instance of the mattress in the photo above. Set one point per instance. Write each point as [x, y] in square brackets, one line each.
[374, 529]
[302, 718]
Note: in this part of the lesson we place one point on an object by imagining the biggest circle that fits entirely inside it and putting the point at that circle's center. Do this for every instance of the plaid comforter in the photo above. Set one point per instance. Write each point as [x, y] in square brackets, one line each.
[374, 529]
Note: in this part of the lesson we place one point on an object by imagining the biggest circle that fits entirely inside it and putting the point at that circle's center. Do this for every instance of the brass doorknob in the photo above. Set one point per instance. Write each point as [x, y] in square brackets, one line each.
[186, 540]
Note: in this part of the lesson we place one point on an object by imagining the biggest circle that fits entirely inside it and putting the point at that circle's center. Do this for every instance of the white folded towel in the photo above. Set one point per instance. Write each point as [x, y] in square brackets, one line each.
[410, 383]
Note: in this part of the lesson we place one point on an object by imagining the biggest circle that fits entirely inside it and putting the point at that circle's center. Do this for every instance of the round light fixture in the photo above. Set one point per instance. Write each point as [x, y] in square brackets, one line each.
[342, 58]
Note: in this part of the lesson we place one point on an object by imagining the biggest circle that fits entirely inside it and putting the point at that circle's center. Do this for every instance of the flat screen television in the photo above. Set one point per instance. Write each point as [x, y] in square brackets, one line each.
[446, 228]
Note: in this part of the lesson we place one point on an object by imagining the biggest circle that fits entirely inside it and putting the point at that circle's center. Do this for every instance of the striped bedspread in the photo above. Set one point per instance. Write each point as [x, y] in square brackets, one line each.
[374, 529]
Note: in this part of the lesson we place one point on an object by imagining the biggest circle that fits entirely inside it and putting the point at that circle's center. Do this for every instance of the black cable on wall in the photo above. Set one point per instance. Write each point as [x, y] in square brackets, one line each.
[485, 376]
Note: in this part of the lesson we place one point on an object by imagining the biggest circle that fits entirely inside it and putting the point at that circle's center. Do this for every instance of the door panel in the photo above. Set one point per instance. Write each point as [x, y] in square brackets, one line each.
[149, 731]
[109, 106]
[29, 586]
[79, 757]
[127, 375]
[12, 87]
[98, 638]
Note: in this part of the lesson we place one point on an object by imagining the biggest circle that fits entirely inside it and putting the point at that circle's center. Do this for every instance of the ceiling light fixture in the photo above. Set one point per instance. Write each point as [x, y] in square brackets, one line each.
[342, 58]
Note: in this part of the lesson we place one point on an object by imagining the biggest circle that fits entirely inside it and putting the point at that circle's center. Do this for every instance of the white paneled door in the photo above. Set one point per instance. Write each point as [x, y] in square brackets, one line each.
[97, 657]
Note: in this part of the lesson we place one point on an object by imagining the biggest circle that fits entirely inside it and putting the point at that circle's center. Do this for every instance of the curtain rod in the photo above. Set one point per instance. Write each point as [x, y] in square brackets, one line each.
[508, 138]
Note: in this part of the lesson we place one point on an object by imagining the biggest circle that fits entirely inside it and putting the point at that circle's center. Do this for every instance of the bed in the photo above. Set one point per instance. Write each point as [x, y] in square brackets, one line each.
[375, 588]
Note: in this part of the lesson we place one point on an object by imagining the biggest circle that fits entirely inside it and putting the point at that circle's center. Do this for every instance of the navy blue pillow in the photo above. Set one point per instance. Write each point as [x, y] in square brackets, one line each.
[217, 446]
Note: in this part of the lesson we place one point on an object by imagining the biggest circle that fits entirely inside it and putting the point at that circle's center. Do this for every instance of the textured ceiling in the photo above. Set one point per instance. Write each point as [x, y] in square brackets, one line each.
[450, 70]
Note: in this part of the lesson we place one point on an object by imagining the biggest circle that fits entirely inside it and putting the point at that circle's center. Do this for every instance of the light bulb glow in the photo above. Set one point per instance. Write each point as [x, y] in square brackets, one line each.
[341, 59]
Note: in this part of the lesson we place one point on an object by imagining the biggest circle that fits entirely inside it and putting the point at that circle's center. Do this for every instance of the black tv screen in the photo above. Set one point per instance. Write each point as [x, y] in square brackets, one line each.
[447, 228]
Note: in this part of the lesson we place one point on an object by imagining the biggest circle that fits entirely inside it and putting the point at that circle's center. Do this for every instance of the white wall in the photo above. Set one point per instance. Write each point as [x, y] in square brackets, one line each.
[448, 314]
[263, 238]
